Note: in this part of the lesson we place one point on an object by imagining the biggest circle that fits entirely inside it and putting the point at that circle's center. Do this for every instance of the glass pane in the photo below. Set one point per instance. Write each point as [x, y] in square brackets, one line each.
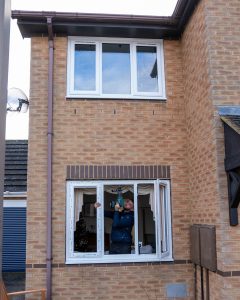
[163, 209]
[85, 232]
[146, 219]
[118, 222]
[147, 73]
[116, 71]
[85, 67]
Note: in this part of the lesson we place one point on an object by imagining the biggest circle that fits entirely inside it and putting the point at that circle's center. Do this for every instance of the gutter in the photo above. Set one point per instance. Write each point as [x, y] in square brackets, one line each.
[49, 158]
[33, 23]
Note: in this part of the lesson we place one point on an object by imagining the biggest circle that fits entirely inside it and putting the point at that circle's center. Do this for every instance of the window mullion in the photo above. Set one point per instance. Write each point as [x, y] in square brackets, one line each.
[136, 218]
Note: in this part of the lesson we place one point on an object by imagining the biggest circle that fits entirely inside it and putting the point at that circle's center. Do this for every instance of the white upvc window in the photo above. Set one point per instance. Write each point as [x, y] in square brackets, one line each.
[111, 68]
[89, 229]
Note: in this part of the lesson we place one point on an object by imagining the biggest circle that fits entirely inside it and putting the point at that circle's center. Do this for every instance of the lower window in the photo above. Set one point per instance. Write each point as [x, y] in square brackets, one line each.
[118, 221]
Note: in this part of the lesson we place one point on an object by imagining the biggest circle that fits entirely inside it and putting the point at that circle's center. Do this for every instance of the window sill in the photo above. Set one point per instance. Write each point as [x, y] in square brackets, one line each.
[107, 260]
[122, 98]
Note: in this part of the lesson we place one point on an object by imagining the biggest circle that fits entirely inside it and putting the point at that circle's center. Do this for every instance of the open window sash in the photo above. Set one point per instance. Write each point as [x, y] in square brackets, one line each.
[164, 221]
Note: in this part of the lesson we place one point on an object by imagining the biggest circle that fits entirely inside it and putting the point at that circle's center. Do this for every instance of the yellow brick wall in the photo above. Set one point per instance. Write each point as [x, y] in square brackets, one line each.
[224, 49]
[211, 72]
[104, 132]
[202, 71]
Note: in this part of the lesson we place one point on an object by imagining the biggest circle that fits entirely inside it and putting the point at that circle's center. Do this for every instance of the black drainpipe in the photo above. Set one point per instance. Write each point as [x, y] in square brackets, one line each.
[49, 158]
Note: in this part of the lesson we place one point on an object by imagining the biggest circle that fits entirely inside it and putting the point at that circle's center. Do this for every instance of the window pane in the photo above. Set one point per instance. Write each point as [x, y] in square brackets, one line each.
[118, 226]
[85, 234]
[85, 67]
[146, 219]
[116, 71]
[163, 209]
[147, 73]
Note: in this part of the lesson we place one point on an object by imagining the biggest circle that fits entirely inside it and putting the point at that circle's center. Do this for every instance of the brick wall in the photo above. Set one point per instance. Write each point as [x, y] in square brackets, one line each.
[185, 133]
[110, 132]
[224, 50]
[210, 47]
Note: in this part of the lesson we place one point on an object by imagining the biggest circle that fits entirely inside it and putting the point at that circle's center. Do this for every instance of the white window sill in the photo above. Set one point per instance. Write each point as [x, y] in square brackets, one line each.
[116, 259]
[93, 97]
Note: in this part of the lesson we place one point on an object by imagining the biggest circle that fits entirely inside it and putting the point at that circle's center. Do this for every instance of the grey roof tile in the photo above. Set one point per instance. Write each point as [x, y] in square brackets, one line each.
[15, 179]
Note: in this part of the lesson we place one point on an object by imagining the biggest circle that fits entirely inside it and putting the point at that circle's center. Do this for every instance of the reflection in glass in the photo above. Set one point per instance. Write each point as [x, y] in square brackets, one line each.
[118, 226]
[163, 210]
[85, 67]
[85, 234]
[147, 73]
[146, 219]
[116, 71]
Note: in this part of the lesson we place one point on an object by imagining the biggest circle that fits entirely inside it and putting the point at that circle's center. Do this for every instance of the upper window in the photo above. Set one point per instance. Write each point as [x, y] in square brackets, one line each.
[118, 221]
[115, 68]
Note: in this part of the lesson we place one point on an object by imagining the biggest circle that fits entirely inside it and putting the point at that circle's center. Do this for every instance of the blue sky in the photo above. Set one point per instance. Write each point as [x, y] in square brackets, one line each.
[19, 61]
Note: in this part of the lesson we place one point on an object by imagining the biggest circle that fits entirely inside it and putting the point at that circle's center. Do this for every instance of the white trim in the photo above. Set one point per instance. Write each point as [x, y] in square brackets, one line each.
[157, 220]
[166, 218]
[98, 41]
[99, 257]
[135, 193]
[159, 66]
[14, 203]
[111, 259]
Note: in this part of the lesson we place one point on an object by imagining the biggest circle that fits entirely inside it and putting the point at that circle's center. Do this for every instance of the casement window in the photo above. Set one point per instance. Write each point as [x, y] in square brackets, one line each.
[115, 68]
[89, 229]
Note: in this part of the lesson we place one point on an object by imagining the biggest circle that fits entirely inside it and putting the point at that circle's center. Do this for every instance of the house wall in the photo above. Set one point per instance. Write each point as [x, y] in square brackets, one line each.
[224, 51]
[108, 132]
[202, 71]
[210, 47]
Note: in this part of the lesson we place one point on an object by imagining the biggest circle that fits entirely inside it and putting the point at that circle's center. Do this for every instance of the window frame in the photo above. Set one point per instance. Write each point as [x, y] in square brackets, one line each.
[99, 257]
[97, 94]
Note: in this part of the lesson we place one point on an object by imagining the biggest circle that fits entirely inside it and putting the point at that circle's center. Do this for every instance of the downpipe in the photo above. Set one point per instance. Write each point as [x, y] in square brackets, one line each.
[49, 158]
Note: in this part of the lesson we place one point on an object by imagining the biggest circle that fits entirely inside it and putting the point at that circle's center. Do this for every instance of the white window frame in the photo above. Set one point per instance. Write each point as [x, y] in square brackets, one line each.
[163, 243]
[158, 43]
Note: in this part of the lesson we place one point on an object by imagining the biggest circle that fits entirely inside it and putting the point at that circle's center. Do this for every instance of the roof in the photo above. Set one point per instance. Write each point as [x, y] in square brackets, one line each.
[16, 166]
[231, 116]
[34, 23]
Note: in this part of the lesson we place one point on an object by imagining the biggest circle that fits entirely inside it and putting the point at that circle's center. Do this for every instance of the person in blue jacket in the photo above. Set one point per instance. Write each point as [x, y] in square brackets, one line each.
[123, 221]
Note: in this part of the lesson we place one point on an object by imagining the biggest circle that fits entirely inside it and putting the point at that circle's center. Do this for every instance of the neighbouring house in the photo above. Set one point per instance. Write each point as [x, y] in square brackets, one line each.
[14, 207]
[130, 107]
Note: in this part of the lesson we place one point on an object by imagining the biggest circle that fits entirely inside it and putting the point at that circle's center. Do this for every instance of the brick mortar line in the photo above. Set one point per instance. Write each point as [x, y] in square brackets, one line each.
[228, 273]
[176, 262]
[62, 265]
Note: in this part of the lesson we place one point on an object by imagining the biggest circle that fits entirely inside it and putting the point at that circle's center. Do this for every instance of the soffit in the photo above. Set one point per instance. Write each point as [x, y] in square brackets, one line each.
[34, 23]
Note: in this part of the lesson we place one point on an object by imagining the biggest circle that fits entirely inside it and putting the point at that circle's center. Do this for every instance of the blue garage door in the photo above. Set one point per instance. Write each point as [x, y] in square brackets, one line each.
[14, 239]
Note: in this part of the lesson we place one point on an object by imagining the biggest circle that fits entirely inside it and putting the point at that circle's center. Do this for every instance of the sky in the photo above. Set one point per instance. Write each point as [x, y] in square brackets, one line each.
[19, 55]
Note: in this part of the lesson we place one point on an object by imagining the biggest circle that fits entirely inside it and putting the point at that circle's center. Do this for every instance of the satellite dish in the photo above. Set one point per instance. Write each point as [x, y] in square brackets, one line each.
[17, 101]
